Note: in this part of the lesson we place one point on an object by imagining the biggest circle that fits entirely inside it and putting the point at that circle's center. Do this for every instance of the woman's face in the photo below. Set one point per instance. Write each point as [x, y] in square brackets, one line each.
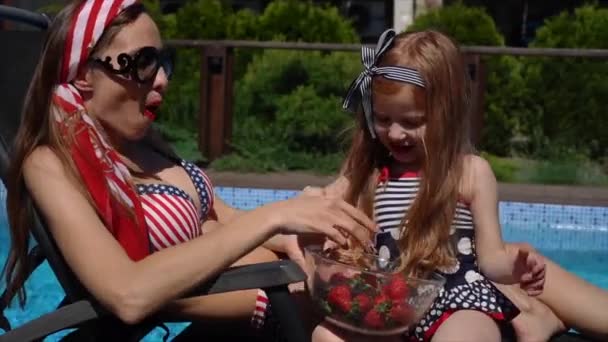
[124, 106]
[400, 122]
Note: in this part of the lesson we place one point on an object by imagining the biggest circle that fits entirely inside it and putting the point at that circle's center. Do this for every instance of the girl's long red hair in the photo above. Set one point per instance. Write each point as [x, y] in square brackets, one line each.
[425, 239]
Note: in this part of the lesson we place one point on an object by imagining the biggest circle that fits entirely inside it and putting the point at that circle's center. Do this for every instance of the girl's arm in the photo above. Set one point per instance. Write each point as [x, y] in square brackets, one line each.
[496, 262]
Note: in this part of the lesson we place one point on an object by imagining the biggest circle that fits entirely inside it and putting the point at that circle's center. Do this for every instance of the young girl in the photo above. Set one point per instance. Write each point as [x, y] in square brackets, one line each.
[411, 167]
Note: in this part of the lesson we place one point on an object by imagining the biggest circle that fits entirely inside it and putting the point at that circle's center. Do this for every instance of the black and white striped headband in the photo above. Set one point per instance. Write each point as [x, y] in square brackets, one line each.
[361, 88]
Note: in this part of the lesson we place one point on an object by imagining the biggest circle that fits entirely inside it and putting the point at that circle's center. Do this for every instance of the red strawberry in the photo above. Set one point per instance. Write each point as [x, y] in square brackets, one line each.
[365, 303]
[397, 288]
[401, 313]
[340, 297]
[381, 299]
[338, 278]
[373, 319]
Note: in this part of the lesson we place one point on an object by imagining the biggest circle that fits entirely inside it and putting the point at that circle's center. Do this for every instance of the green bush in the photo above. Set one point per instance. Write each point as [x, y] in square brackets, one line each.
[281, 20]
[259, 147]
[468, 25]
[315, 23]
[278, 159]
[574, 170]
[200, 19]
[309, 122]
[275, 73]
[298, 20]
[288, 110]
[573, 92]
[506, 98]
[505, 169]
[563, 172]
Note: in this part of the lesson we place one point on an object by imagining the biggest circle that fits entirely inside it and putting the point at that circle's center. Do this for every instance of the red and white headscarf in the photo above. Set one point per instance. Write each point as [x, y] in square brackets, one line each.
[104, 175]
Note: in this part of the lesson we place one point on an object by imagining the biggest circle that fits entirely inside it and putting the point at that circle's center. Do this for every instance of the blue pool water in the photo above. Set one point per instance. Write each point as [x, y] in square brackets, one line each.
[575, 237]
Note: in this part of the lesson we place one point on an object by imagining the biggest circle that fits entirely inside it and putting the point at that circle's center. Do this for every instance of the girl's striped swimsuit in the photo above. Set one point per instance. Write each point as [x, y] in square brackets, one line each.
[466, 288]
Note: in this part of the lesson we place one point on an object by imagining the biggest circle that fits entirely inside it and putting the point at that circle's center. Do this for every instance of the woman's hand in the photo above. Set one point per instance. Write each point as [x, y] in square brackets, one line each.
[313, 213]
[336, 189]
[293, 244]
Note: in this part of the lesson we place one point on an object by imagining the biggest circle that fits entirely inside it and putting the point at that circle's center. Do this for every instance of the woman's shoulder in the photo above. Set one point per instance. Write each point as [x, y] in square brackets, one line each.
[42, 158]
[44, 171]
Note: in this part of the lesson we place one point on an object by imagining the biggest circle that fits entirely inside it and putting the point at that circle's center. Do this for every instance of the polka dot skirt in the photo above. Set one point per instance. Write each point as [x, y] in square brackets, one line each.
[479, 295]
[465, 289]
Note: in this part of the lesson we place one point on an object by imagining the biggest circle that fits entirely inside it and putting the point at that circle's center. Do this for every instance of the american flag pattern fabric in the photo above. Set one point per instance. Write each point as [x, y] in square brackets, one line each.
[262, 306]
[171, 213]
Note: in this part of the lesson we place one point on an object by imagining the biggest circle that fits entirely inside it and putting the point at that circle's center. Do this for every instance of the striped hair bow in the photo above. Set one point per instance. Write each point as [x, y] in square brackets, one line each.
[101, 169]
[360, 90]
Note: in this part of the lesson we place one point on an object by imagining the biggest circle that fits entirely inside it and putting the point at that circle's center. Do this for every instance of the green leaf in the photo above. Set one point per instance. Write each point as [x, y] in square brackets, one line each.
[325, 307]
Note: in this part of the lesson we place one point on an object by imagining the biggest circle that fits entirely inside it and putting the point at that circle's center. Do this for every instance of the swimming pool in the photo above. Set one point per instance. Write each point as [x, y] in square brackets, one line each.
[575, 237]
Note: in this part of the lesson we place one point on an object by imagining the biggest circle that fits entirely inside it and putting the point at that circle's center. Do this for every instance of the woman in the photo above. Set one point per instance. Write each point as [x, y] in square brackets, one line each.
[138, 227]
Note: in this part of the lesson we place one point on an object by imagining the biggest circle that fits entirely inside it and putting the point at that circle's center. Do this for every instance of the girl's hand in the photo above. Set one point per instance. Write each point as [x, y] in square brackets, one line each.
[313, 191]
[530, 271]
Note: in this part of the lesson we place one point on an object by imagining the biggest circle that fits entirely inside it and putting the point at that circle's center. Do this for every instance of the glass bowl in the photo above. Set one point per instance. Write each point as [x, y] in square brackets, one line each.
[371, 300]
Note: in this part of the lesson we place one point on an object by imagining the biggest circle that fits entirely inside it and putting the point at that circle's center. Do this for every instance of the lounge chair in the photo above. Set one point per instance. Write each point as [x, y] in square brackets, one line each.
[79, 310]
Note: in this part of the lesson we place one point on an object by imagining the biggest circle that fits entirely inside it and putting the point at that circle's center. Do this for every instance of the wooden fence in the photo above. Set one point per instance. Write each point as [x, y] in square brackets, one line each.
[217, 66]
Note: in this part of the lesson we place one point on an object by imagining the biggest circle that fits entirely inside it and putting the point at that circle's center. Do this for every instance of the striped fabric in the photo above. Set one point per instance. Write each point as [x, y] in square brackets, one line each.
[87, 27]
[394, 197]
[105, 176]
[360, 91]
[466, 288]
[172, 218]
[262, 306]
[69, 100]
[170, 213]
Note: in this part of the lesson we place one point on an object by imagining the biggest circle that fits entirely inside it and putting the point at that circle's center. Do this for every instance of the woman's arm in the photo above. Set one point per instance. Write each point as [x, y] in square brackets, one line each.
[292, 245]
[224, 213]
[132, 290]
[283, 243]
[496, 262]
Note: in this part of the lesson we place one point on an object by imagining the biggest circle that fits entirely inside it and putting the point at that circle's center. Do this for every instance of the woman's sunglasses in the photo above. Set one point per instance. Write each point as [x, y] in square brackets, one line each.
[141, 66]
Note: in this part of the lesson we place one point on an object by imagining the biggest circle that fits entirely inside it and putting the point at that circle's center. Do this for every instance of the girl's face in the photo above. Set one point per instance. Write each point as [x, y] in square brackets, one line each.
[125, 103]
[400, 122]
